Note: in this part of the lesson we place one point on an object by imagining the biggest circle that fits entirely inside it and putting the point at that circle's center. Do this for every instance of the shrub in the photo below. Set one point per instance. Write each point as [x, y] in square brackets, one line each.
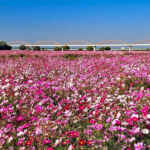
[80, 49]
[28, 48]
[57, 48]
[36, 48]
[13, 56]
[66, 47]
[107, 48]
[44, 49]
[36, 56]
[22, 55]
[71, 56]
[22, 47]
[4, 46]
[16, 56]
[101, 48]
[89, 48]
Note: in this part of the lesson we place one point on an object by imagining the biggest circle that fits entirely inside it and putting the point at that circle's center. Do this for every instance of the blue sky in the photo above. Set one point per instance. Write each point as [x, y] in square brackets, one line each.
[62, 20]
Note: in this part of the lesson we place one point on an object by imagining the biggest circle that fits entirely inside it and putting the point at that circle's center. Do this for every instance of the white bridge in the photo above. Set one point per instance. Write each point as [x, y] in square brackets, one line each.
[110, 43]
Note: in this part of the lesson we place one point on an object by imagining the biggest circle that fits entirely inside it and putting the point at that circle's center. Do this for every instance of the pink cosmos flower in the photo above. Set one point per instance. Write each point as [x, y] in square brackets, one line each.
[144, 110]
[109, 119]
[20, 141]
[135, 130]
[38, 131]
[97, 126]
[71, 147]
[38, 109]
[88, 132]
[138, 146]
[65, 142]
[92, 121]
[46, 141]
[73, 134]
[49, 148]
[20, 118]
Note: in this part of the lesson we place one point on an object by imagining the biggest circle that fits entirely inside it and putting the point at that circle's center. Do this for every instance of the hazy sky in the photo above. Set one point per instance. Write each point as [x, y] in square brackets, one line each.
[63, 20]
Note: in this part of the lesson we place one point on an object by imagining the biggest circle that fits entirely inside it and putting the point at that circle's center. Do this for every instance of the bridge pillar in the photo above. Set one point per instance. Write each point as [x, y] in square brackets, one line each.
[94, 48]
[122, 48]
[130, 48]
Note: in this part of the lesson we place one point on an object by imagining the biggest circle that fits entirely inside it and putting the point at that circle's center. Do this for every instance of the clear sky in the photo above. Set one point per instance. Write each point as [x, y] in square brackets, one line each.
[63, 20]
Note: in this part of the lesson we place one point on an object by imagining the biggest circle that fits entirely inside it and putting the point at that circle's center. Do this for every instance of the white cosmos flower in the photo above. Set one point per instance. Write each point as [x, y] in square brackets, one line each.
[30, 81]
[38, 131]
[89, 99]
[135, 115]
[10, 139]
[145, 131]
[114, 121]
[70, 147]
[118, 78]
[68, 113]
[118, 115]
[123, 85]
[58, 141]
[124, 123]
[148, 116]
[7, 80]
[85, 110]
[132, 139]
[131, 103]
[16, 93]
[20, 133]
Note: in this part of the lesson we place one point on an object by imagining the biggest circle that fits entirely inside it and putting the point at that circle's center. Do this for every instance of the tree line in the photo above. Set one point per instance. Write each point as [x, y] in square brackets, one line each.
[5, 46]
[63, 48]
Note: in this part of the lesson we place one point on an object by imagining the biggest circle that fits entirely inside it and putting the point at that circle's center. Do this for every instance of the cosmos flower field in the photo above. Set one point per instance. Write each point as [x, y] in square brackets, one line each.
[90, 101]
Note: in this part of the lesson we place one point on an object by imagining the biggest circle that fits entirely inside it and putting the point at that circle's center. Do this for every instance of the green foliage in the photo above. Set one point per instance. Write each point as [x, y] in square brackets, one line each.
[22, 47]
[107, 48]
[139, 84]
[80, 49]
[28, 48]
[89, 48]
[113, 145]
[71, 56]
[17, 56]
[43, 49]
[36, 48]
[13, 56]
[57, 49]
[101, 48]
[148, 49]
[66, 47]
[22, 55]
[4, 46]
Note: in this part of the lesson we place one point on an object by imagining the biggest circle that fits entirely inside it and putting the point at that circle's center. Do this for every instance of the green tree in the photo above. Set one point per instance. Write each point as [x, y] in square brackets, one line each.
[4, 46]
[36, 48]
[66, 48]
[80, 49]
[57, 48]
[22, 47]
[89, 48]
[28, 48]
[107, 48]
[101, 48]
[148, 49]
